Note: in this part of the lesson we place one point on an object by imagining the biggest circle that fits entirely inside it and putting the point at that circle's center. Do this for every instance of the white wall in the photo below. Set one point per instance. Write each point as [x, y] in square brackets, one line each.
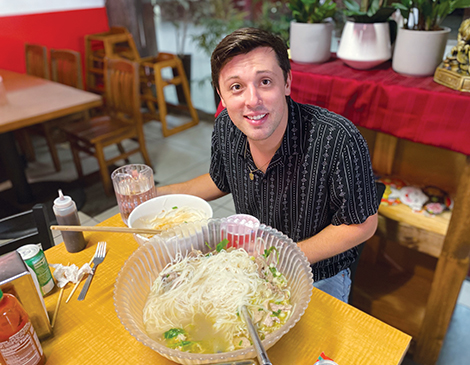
[21, 7]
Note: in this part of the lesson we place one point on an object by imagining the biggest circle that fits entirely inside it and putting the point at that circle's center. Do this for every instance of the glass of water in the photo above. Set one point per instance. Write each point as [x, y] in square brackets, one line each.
[133, 185]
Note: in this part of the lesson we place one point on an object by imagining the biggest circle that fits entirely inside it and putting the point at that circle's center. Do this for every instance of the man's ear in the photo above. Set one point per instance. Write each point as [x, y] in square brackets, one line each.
[288, 84]
[221, 99]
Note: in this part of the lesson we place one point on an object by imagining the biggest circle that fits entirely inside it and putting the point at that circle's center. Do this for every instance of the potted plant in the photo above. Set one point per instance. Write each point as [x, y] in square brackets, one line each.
[310, 32]
[217, 18]
[366, 40]
[421, 42]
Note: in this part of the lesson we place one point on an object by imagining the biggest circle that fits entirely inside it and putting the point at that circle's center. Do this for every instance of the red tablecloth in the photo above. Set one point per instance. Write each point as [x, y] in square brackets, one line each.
[414, 108]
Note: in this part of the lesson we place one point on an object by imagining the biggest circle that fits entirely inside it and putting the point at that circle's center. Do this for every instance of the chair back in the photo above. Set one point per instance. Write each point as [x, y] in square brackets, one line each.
[30, 227]
[122, 89]
[66, 68]
[36, 61]
[121, 45]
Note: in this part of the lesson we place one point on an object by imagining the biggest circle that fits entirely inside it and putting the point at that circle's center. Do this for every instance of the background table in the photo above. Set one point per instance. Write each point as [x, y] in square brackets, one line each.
[90, 331]
[33, 100]
[422, 111]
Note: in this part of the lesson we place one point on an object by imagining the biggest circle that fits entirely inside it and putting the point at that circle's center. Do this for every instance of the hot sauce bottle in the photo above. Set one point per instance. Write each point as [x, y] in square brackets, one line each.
[19, 343]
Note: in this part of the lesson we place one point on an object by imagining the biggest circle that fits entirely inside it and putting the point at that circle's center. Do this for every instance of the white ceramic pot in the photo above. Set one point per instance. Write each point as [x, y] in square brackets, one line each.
[310, 43]
[365, 45]
[418, 52]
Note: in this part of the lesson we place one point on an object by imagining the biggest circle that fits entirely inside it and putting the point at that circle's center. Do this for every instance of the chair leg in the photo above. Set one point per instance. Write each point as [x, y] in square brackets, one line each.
[162, 111]
[52, 147]
[26, 145]
[122, 151]
[187, 93]
[105, 178]
[76, 158]
[143, 149]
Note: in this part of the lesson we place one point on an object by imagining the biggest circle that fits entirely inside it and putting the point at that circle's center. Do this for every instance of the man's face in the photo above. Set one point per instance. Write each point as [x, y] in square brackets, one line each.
[253, 89]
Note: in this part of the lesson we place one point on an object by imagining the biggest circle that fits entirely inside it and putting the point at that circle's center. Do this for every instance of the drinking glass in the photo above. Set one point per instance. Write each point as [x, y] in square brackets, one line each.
[133, 185]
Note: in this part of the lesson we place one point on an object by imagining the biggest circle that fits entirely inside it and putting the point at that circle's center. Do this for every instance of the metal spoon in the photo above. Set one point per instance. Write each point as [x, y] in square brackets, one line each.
[257, 344]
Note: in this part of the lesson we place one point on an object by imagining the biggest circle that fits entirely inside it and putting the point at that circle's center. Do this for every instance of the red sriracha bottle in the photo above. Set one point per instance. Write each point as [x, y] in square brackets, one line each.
[19, 343]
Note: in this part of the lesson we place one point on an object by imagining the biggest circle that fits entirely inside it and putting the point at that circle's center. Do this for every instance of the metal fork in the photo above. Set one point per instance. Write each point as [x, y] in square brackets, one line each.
[97, 259]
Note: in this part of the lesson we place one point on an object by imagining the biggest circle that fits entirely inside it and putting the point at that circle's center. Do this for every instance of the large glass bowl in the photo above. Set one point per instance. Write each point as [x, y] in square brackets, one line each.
[143, 266]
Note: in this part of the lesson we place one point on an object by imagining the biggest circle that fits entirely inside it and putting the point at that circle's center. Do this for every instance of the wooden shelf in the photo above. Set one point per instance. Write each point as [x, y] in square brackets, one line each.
[413, 230]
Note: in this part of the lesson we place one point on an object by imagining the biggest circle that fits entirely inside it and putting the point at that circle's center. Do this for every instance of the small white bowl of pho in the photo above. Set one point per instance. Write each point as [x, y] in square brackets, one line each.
[180, 294]
[166, 212]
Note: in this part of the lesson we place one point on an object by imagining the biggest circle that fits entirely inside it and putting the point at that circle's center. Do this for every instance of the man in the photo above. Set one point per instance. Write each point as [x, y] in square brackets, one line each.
[298, 168]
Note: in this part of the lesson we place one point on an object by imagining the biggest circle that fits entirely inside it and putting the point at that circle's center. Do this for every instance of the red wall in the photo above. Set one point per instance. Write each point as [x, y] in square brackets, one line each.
[64, 29]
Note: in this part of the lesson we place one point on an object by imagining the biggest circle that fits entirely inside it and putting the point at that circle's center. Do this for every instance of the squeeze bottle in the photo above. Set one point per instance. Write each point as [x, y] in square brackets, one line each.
[66, 213]
[19, 343]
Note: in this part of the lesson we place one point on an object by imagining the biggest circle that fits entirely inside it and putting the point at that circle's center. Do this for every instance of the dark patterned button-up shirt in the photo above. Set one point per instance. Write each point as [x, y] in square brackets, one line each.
[320, 175]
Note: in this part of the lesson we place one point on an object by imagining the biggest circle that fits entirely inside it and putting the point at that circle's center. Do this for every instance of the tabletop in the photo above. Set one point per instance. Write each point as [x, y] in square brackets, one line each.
[414, 108]
[33, 100]
[89, 331]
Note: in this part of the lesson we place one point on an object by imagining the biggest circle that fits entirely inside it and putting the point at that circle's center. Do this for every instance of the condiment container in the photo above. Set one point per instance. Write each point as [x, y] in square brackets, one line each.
[19, 279]
[19, 343]
[66, 213]
[34, 257]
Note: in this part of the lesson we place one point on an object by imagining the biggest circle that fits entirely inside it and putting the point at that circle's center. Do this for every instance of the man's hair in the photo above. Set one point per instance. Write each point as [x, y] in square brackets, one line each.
[245, 40]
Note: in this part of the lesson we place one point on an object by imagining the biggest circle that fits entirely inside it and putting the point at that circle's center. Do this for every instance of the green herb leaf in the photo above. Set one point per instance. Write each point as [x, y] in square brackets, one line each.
[269, 251]
[221, 245]
[175, 207]
[174, 332]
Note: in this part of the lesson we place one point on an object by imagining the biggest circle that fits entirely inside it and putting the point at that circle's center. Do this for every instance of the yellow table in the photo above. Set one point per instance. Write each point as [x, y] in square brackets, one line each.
[89, 332]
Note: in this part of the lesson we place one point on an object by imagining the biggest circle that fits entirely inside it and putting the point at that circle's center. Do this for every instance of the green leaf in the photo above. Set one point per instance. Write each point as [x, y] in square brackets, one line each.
[269, 251]
[221, 245]
[312, 11]
[174, 332]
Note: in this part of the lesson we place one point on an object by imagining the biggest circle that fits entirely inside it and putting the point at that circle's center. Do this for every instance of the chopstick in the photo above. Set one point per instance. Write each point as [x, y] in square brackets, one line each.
[54, 317]
[78, 283]
[106, 229]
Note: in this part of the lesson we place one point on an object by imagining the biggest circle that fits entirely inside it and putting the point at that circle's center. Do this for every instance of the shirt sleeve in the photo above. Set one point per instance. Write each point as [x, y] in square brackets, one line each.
[352, 183]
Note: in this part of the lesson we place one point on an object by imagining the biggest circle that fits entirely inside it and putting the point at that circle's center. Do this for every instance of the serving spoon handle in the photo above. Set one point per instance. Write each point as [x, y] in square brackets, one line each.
[257, 344]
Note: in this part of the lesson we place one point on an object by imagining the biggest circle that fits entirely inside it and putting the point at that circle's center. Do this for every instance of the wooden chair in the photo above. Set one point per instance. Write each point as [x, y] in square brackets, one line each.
[36, 65]
[122, 45]
[123, 122]
[94, 58]
[30, 227]
[36, 60]
[66, 69]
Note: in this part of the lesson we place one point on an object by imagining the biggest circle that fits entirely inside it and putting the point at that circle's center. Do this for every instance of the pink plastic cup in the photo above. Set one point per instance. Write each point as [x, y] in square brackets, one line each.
[241, 228]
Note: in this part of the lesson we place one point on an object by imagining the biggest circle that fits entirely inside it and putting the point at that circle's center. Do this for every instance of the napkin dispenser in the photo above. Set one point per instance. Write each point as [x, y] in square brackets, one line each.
[16, 278]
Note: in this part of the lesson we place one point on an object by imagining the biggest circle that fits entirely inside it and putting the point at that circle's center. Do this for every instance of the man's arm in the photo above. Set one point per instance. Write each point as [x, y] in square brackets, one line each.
[333, 240]
[202, 186]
